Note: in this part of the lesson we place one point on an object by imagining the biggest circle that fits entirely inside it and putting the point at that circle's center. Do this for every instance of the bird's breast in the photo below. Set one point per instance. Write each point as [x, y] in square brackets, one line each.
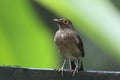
[66, 43]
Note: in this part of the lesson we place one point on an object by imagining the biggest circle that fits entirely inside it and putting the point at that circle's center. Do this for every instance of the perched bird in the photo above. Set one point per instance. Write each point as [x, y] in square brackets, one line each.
[69, 45]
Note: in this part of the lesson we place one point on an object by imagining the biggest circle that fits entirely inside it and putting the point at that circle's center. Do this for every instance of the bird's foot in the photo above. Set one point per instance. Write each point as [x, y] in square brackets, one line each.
[71, 70]
[74, 72]
[61, 70]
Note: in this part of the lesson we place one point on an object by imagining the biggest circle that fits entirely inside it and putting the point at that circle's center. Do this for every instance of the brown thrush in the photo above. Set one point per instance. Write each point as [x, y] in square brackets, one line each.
[69, 44]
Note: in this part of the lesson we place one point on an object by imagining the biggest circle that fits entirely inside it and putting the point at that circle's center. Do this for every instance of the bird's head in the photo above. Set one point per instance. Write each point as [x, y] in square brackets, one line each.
[64, 23]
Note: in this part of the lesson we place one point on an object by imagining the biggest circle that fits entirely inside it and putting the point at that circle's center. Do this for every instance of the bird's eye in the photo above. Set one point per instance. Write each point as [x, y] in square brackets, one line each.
[65, 21]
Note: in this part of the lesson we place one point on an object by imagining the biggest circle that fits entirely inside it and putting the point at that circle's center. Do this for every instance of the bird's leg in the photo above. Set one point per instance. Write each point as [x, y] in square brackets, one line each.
[73, 65]
[70, 64]
[76, 68]
[62, 68]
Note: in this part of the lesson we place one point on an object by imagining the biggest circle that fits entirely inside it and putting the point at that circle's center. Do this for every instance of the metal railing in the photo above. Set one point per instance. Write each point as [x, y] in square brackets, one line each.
[19, 73]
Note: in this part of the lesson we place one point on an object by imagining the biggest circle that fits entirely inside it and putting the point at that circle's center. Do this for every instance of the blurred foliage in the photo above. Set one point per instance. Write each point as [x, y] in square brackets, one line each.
[90, 15]
[24, 41]
[26, 37]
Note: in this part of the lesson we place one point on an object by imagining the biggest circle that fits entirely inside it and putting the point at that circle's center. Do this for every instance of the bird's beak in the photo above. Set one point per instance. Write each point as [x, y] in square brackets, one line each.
[57, 20]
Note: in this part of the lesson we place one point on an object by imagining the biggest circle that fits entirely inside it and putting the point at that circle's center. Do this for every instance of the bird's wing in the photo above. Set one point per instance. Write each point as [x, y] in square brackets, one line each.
[80, 45]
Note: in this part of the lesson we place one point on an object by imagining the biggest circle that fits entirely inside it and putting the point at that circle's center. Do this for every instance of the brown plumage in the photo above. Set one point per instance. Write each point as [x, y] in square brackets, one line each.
[69, 44]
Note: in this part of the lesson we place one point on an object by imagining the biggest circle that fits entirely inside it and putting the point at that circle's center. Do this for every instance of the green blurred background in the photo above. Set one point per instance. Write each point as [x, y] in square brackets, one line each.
[27, 32]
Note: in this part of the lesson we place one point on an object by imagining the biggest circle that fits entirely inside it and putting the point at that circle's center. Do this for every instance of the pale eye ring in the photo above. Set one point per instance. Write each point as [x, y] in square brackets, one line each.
[65, 21]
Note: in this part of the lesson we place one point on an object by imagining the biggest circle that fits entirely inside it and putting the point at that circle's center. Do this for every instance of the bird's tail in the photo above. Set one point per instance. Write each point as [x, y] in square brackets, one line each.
[81, 66]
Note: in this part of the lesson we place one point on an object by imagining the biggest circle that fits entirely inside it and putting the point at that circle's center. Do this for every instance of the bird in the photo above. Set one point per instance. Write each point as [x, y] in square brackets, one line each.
[69, 45]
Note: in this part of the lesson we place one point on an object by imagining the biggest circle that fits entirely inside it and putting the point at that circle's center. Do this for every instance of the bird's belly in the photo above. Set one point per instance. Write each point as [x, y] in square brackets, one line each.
[67, 45]
[69, 50]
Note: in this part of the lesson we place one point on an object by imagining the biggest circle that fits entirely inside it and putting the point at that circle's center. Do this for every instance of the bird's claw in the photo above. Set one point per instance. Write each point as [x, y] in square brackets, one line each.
[61, 70]
[75, 71]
